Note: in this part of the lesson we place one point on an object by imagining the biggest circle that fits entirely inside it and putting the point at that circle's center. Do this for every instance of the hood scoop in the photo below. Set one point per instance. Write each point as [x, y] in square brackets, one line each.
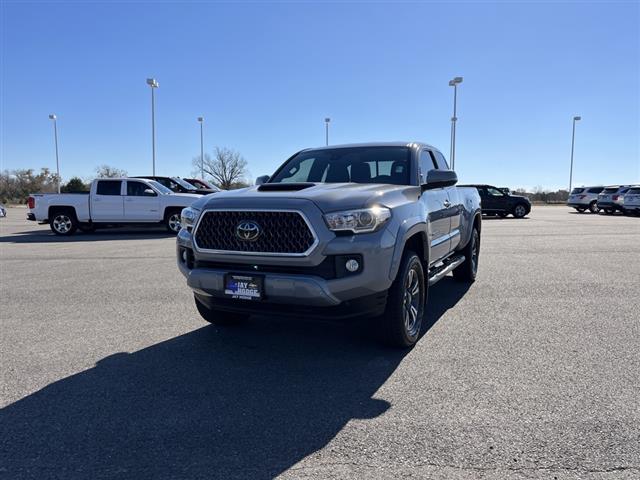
[284, 187]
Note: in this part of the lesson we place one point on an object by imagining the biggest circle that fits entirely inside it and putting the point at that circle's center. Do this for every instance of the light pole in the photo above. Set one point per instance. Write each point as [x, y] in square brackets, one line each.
[201, 121]
[55, 136]
[326, 130]
[454, 83]
[573, 139]
[152, 82]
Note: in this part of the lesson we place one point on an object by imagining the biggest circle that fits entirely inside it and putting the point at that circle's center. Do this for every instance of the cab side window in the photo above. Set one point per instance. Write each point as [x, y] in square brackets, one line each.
[137, 189]
[108, 187]
[440, 161]
[494, 192]
[427, 162]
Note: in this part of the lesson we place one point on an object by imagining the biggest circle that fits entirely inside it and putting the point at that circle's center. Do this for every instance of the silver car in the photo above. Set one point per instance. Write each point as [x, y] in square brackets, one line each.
[585, 198]
[612, 198]
[632, 201]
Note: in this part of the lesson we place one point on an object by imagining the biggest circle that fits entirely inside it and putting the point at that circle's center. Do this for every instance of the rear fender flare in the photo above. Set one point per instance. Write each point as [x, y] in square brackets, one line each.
[472, 219]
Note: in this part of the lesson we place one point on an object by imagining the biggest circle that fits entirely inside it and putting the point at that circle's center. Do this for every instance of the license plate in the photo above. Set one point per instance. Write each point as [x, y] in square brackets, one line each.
[243, 287]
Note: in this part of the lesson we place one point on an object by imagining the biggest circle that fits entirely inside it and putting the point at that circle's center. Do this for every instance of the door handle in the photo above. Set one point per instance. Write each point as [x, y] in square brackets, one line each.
[447, 203]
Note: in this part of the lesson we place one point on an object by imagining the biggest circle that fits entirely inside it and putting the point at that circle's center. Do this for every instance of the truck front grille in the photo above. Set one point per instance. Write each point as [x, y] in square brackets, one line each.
[259, 232]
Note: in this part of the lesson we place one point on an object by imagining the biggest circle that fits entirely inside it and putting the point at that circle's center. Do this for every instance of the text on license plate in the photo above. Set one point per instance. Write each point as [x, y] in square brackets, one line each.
[244, 287]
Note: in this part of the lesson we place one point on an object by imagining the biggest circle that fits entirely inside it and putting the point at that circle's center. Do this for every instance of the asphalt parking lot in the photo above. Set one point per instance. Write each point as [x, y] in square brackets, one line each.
[532, 372]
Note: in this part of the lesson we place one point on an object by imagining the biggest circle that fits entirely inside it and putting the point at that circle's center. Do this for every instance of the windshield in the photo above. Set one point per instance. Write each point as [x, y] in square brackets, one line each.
[183, 184]
[159, 187]
[343, 165]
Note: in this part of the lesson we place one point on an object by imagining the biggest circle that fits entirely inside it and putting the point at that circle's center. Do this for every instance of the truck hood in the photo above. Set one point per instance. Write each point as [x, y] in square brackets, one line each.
[520, 197]
[327, 196]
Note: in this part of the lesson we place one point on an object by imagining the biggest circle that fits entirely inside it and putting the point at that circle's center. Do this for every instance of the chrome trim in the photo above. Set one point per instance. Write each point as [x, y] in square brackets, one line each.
[306, 253]
[445, 270]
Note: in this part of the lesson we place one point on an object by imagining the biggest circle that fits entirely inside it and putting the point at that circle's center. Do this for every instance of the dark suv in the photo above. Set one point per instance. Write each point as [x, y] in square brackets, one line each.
[496, 202]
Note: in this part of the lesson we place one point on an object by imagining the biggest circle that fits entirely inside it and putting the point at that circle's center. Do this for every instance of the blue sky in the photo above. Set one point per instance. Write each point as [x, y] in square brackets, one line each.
[264, 75]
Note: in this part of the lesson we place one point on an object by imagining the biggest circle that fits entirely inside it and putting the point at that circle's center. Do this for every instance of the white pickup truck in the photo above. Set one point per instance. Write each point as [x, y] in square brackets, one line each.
[110, 202]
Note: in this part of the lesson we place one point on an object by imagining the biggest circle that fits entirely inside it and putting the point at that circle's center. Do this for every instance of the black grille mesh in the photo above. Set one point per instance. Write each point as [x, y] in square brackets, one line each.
[281, 232]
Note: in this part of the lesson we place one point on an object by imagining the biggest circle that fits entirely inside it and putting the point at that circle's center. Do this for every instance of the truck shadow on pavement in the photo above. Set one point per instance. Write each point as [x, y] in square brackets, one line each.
[243, 402]
[46, 236]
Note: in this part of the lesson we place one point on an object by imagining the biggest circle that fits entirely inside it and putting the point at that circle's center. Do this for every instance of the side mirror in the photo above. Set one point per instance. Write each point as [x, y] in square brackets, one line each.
[148, 192]
[439, 179]
[262, 179]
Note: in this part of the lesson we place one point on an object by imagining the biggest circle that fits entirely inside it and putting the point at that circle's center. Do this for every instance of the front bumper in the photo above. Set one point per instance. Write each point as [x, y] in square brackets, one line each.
[291, 289]
[371, 306]
[295, 285]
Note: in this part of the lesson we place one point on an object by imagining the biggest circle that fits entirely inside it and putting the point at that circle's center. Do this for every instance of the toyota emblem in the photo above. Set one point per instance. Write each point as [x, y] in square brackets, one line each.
[248, 231]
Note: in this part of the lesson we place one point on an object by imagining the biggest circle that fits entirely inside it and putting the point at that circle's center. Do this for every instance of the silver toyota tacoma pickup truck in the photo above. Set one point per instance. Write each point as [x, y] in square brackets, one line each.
[342, 231]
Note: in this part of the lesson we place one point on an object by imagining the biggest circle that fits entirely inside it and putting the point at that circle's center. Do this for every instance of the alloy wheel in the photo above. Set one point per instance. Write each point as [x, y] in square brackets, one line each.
[411, 302]
[62, 223]
[475, 251]
[174, 222]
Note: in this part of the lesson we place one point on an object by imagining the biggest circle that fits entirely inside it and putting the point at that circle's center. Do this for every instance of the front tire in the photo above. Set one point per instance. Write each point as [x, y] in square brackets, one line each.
[63, 222]
[593, 207]
[467, 270]
[402, 320]
[217, 317]
[519, 211]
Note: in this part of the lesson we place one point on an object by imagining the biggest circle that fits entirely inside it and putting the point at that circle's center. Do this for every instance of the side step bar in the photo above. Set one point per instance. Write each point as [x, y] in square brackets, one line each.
[436, 273]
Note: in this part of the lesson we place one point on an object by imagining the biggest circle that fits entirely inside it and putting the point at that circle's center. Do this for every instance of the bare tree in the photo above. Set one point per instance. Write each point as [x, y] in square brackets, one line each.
[228, 169]
[107, 171]
[16, 185]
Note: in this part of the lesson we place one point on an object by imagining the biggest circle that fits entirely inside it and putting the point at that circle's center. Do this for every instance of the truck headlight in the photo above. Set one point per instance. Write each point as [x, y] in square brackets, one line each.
[188, 217]
[358, 221]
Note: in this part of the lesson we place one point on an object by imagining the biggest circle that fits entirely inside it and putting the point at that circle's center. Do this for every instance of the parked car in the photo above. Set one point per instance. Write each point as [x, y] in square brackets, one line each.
[496, 202]
[110, 202]
[3, 211]
[632, 201]
[178, 185]
[199, 183]
[612, 198]
[585, 198]
[339, 232]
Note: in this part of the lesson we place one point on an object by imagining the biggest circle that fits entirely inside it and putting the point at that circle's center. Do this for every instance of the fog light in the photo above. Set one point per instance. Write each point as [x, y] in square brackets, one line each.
[184, 256]
[352, 265]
